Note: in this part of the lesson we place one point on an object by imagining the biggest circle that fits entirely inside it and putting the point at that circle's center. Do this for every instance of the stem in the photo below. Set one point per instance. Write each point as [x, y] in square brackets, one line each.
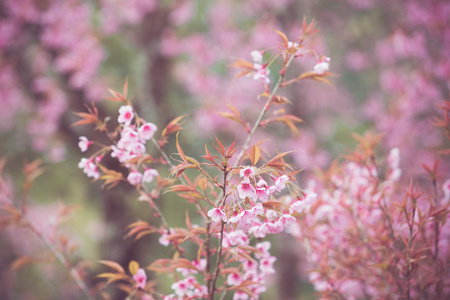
[408, 253]
[219, 256]
[263, 112]
[436, 240]
[158, 211]
[163, 153]
[212, 289]
[61, 258]
[208, 253]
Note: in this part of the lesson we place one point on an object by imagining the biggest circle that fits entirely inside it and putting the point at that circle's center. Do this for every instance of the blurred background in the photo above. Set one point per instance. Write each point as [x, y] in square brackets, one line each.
[393, 58]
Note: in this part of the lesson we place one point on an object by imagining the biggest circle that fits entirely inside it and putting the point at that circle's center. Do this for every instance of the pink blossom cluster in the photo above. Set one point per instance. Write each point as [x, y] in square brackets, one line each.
[358, 232]
[188, 287]
[254, 218]
[128, 149]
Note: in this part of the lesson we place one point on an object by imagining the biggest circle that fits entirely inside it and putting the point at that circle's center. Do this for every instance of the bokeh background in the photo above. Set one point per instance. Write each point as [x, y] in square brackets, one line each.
[392, 57]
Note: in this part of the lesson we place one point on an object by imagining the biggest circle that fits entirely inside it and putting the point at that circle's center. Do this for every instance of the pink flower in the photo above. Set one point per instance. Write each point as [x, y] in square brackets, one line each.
[275, 227]
[258, 209]
[262, 191]
[234, 279]
[247, 172]
[235, 218]
[216, 214]
[393, 158]
[266, 265]
[126, 114]
[246, 217]
[280, 183]
[180, 287]
[84, 143]
[446, 190]
[146, 131]
[264, 248]
[322, 65]
[287, 220]
[118, 153]
[303, 204]
[240, 296]
[163, 240]
[199, 264]
[89, 168]
[259, 231]
[149, 174]
[128, 137]
[261, 72]
[257, 56]
[141, 278]
[134, 177]
[245, 189]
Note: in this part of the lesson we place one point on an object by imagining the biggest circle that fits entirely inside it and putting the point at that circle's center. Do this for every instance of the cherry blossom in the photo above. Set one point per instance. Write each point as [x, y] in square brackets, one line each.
[89, 168]
[134, 177]
[146, 132]
[262, 192]
[149, 174]
[234, 279]
[246, 189]
[84, 143]
[322, 65]
[266, 265]
[302, 204]
[217, 214]
[126, 114]
[257, 56]
[141, 278]
[261, 73]
[247, 172]
[280, 183]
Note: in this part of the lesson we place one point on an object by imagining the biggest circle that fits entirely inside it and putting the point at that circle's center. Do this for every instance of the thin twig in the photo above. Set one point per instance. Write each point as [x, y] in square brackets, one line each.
[262, 113]
[61, 258]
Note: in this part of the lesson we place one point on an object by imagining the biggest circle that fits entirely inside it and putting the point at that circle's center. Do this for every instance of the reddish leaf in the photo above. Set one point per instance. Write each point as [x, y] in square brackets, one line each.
[254, 154]
[180, 151]
[113, 265]
[283, 38]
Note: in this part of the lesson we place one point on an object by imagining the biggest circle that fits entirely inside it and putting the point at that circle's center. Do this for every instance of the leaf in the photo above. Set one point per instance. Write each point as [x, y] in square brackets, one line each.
[280, 100]
[21, 262]
[222, 148]
[86, 119]
[185, 191]
[242, 64]
[172, 127]
[117, 97]
[288, 120]
[125, 88]
[111, 177]
[277, 162]
[283, 38]
[274, 205]
[181, 168]
[180, 151]
[106, 275]
[203, 183]
[113, 265]
[133, 267]
[188, 220]
[195, 232]
[254, 154]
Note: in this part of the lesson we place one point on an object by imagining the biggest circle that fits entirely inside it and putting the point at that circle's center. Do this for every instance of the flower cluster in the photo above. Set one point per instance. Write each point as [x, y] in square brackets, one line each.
[128, 149]
[379, 242]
